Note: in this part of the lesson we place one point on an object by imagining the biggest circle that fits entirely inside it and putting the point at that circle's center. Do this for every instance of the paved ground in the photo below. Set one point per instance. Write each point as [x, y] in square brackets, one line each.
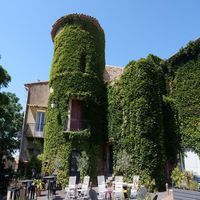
[60, 196]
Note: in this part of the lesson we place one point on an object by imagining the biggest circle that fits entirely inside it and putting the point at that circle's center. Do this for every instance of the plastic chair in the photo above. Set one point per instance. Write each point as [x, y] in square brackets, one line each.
[13, 193]
[71, 189]
[134, 188]
[84, 191]
[118, 188]
[101, 187]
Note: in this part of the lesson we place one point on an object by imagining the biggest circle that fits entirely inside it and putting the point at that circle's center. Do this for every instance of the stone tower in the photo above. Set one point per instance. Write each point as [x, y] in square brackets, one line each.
[75, 120]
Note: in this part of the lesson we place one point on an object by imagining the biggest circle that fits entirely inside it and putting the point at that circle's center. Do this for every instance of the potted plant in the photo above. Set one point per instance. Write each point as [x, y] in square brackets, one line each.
[185, 185]
[38, 185]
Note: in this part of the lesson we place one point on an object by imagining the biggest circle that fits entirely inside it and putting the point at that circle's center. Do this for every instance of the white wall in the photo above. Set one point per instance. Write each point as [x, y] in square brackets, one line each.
[192, 162]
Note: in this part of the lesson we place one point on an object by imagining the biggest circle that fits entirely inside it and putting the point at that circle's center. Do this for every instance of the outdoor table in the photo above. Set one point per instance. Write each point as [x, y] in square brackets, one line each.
[26, 182]
[49, 178]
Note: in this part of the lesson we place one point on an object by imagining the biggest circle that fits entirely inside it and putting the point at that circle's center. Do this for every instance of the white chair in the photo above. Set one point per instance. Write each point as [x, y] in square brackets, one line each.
[83, 193]
[118, 188]
[101, 187]
[71, 189]
[134, 187]
[10, 195]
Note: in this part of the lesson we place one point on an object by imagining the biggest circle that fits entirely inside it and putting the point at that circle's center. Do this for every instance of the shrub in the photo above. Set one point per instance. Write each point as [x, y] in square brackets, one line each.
[83, 164]
[178, 177]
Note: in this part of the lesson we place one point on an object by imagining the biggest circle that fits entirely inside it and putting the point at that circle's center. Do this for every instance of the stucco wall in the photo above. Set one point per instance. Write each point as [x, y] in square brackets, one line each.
[37, 100]
[39, 93]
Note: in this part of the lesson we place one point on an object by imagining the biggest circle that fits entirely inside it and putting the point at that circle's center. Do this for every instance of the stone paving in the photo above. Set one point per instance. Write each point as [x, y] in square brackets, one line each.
[60, 195]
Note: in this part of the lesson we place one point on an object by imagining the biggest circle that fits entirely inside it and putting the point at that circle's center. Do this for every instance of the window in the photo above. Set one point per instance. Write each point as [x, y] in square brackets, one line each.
[76, 121]
[82, 63]
[40, 122]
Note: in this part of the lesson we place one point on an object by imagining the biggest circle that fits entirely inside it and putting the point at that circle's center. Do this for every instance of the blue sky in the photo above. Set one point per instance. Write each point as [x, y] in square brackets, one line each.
[133, 29]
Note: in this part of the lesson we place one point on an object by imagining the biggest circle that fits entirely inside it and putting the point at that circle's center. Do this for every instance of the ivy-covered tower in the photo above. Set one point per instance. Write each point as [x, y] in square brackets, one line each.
[75, 121]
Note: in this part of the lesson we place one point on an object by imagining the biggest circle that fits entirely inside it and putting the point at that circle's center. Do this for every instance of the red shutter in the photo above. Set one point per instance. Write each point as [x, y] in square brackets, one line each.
[76, 115]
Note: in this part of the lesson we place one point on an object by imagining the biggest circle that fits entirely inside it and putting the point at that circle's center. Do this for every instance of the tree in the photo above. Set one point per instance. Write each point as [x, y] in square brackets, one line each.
[10, 124]
[10, 118]
[4, 80]
[4, 77]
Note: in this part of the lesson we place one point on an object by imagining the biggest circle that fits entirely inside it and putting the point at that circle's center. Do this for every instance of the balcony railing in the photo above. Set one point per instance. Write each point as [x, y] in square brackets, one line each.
[78, 125]
[34, 130]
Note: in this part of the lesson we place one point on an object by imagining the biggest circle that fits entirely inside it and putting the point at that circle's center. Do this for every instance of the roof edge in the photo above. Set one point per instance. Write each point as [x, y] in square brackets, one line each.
[70, 18]
[191, 50]
[35, 83]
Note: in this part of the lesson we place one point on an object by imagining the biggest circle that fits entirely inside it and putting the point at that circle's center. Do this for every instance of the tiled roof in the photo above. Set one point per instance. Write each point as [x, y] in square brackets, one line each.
[111, 73]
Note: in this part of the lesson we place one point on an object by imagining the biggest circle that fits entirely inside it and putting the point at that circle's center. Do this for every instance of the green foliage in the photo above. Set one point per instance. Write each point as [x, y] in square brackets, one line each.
[171, 129]
[178, 177]
[4, 77]
[183, 179]
[77, 136]
[123, 163]
[151, 108]
[148, 182]
[38, 183]
[76, 73]
[78, 38]
[10, 124]
[185, 55]
[186, 93]
[147, 197]
[135, 119]
[190, 183]
[10, 118]
[83, 164]
[35, 163]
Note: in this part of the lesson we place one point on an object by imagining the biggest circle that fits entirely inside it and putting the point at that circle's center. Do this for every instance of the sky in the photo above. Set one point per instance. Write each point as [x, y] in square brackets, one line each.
[133, 29]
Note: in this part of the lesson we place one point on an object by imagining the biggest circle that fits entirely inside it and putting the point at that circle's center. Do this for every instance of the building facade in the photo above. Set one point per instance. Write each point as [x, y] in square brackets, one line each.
[89, 107]
[35, 114]
[34, 120]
